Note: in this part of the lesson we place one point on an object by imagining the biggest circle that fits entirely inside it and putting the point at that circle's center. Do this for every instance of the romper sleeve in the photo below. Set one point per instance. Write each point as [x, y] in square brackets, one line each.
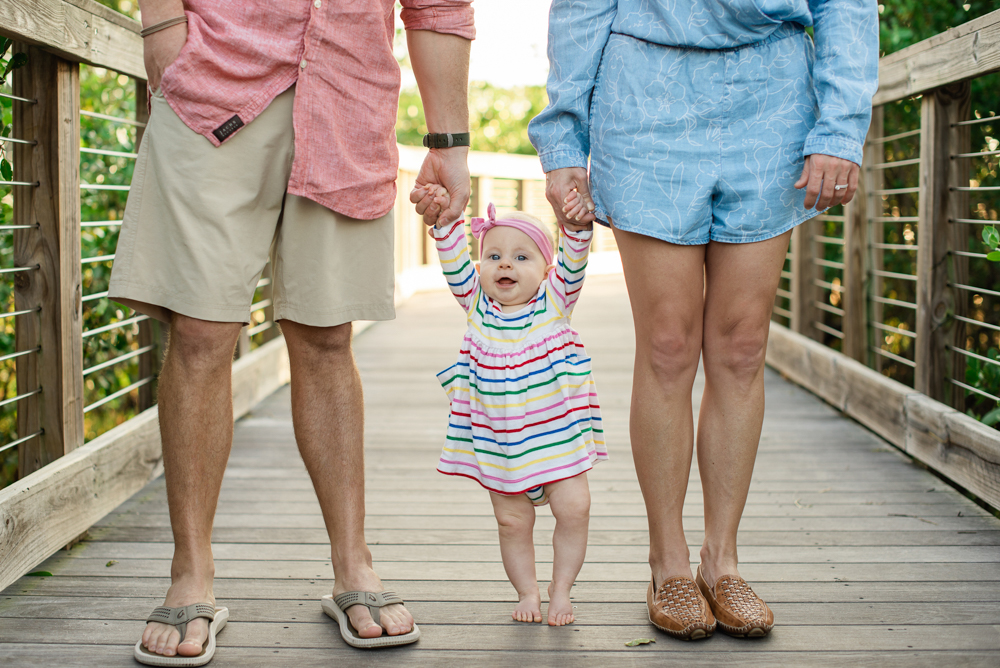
[578, 32]
[845, 75]
[456, 264]
[566, 277]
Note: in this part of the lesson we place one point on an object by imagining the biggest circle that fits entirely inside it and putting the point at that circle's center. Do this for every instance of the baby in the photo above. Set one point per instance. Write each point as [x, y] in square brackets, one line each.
[525, 421]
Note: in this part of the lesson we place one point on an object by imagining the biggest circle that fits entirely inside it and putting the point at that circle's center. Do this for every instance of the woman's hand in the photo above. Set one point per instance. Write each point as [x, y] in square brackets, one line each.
[575, 208]
[819, 176]
[572, 212]
[160, 49]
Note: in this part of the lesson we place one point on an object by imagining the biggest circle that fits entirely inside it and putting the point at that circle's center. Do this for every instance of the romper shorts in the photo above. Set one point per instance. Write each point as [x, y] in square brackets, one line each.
[201, 222]
[690, 145]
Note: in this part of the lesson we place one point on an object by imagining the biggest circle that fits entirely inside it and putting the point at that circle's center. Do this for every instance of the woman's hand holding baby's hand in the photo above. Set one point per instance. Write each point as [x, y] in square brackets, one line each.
[575, 207]
[562, 184]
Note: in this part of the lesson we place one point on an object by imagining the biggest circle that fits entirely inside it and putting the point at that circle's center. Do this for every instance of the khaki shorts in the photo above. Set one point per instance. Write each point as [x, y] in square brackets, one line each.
[201, 222]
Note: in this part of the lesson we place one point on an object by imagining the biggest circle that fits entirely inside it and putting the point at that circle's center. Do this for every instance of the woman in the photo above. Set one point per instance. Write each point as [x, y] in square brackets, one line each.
[713, 127]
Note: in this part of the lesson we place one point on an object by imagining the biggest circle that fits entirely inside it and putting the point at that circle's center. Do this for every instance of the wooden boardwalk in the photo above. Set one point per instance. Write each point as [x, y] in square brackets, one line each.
[866, 558]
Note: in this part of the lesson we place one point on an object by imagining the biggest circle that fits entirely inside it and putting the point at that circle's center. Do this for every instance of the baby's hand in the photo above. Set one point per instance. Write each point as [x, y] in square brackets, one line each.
[575, 208]
[434, 193]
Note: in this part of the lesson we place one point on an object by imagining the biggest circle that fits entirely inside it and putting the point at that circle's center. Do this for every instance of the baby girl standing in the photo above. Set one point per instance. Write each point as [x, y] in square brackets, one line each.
[525, 422]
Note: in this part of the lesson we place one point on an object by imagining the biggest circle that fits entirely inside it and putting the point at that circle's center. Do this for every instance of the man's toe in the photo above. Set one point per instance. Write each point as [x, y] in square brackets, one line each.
[363, 623]
[194, 640]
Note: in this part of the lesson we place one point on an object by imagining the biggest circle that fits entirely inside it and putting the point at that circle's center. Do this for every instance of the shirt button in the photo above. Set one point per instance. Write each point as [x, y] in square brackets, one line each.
[318, 4]
[303, 64]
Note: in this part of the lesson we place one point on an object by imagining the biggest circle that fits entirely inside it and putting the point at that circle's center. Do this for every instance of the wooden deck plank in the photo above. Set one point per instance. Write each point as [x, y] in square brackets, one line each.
[25, 656]
[406, 536]
[506, 636]
[865, 557]
[309, 591]
[588, 613]
[490, 553]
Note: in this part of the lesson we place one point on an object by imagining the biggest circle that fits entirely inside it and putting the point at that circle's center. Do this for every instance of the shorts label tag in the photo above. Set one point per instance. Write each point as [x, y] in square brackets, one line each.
[228, 128]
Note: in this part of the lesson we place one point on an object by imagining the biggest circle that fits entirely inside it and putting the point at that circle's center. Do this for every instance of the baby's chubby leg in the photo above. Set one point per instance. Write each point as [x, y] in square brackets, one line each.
[570, 502]
[516, 521]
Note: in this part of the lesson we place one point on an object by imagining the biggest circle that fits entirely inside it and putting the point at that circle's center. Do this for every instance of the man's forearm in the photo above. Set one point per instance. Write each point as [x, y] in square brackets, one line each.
[154, 11]
[441, 65]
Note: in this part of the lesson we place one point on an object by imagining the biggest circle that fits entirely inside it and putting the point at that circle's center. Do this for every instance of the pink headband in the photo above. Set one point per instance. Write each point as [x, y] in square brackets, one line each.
[481, 226]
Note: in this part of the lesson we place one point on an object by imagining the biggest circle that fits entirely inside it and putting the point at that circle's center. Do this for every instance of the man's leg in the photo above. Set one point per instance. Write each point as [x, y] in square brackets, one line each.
[196, 425]
[328, 414]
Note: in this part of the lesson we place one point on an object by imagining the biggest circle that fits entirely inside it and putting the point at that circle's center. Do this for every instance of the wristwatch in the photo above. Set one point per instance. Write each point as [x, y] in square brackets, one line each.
[446, 139]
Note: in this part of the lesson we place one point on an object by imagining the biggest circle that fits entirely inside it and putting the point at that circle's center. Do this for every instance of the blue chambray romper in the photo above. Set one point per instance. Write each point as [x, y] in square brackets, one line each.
[690, 144]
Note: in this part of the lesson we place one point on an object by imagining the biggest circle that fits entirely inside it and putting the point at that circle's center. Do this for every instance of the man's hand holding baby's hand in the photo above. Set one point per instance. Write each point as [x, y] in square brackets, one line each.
[575, 208]
[431, 199]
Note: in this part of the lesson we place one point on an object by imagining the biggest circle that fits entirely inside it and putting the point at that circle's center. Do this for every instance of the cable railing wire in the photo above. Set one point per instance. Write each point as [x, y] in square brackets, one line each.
[113, 119]
[21, 396]
[115, 325]
[122, 392]
[895, 357]
[21, 353]
[117, 360]
[974, 389]
[25, 439]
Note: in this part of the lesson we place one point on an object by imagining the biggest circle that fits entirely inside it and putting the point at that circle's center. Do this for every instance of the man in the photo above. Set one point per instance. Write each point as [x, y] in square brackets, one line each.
[272, 131]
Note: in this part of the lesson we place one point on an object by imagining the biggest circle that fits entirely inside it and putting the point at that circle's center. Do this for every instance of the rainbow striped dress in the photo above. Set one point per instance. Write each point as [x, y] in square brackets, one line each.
[524, 410]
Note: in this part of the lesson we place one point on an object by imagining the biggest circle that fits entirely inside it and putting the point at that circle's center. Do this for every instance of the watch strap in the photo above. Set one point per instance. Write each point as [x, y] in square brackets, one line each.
[446, 139]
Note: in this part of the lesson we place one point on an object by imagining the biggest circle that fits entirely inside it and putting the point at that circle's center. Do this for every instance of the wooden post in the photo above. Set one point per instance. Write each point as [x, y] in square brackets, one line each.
[803, 286]
[855, 295]
[937, 303]
[874, 179]
[54, 246]
[149, 330]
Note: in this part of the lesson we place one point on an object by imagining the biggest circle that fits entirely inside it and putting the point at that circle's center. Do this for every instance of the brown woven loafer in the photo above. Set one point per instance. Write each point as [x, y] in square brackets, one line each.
[679, 609]
[739, 611]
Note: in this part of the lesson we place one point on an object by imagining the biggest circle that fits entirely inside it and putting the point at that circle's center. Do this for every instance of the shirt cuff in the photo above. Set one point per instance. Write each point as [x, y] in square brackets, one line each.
[561, 159]
[456, 19]
[440, 233]
[581, 236]
[838, 147]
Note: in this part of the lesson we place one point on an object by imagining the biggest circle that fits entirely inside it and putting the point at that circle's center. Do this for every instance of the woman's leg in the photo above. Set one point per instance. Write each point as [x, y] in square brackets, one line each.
[741, 281]
[516, 522]
[570, 503]
[665, 286]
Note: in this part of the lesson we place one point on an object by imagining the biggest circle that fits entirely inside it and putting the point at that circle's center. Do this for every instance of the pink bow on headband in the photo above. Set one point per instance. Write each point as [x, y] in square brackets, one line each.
[481, 226]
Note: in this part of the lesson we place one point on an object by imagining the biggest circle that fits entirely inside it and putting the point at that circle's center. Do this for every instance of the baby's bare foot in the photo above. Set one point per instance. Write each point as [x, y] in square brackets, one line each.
[529, 609]
[560, 608]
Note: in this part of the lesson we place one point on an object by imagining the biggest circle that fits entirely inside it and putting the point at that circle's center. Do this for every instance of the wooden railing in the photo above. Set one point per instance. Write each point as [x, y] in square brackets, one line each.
[886, 279]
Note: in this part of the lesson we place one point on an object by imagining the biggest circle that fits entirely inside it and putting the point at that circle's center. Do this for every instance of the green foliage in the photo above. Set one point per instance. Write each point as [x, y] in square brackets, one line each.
[498, 117]
[906, 22]
[992, 240]
[8, 377]
[982, 374]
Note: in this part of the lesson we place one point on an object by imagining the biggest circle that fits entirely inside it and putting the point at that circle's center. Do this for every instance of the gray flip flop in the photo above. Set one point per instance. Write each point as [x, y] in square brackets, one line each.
[336, 607]
[179, 617]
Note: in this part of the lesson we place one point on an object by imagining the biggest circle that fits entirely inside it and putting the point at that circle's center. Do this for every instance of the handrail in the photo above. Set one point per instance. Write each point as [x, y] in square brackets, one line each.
[82, 31]
[961, 53]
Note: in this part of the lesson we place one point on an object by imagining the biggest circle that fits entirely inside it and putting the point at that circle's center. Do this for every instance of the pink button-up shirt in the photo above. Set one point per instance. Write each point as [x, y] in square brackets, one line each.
[241, 54]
